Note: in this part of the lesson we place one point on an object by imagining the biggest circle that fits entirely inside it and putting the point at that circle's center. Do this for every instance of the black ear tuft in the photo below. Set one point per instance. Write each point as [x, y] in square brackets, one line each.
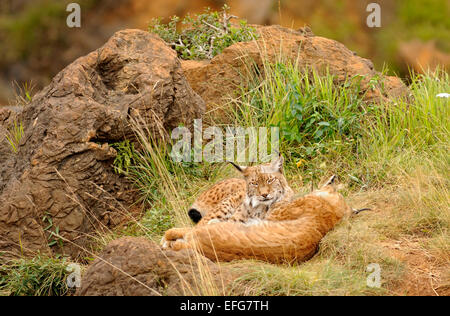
[240, 168]
[195, 215]
[331, 180]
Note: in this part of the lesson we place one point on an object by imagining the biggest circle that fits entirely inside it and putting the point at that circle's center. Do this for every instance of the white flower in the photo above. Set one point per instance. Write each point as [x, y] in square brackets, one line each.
[443, 95]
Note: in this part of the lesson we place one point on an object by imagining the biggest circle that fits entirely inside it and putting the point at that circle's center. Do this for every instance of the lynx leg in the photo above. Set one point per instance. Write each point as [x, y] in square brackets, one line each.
[176, 245]
[172, 236]
[176, 233]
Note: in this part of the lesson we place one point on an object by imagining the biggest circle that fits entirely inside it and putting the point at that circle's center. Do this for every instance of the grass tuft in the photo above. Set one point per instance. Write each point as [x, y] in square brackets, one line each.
[39, 276]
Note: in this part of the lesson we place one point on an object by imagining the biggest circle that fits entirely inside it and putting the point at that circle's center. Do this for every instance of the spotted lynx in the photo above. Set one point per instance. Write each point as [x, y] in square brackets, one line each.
[243, 200]
[291, 230]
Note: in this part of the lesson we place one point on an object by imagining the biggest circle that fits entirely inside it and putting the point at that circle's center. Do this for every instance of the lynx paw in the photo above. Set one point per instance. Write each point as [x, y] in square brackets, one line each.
[164, 243]
[173, 244]
[174, 239]
[175, 233]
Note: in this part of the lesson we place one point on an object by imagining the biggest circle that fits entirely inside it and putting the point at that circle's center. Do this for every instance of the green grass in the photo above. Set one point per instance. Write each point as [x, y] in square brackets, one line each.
[422, 207]
[330, 125]
[125, 156]
[314, 115]
[39, 276]
[14, 135]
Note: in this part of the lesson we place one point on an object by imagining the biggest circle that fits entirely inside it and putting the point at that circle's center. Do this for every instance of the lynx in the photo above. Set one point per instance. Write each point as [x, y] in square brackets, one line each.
[291, 230]
[243, 200]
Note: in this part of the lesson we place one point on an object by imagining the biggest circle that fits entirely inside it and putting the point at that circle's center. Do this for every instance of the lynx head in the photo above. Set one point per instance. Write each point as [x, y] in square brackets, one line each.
[329, 192]
[266, 183]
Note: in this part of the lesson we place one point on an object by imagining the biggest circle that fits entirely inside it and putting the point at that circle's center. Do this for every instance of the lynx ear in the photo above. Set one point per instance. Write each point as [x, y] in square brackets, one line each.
[240, 168]
[330, 181]
[277, 165]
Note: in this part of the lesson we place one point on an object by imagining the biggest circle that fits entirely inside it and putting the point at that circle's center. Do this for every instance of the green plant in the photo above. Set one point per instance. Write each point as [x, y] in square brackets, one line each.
[328, 127]
[420, 122]
[14, 135]
[203, 36]
[157, 221]
[53, 238]
[314, 114]
[41, 276]
[125, 156]
[23, 93]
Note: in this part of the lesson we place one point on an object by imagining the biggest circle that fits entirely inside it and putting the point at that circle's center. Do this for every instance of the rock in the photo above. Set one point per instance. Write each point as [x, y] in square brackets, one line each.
[135, 266]
[218, 78]
[61, 179]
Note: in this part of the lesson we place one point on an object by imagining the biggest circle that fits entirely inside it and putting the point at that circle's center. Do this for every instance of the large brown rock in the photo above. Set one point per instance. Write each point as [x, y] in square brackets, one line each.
[217, 79]
[61, 179]
[135, 266]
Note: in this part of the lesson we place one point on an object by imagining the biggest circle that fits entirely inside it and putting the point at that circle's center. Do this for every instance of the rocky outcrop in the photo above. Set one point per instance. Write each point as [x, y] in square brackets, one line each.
[213, 80]
[59, 188]
[134, 266]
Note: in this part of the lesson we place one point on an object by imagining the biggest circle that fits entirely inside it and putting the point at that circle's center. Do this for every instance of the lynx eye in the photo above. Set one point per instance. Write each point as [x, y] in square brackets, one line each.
[255, 184]
[269, 181]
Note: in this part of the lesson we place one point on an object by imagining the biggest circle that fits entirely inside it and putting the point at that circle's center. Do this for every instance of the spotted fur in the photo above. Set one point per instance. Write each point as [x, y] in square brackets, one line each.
[241, 200]
[291, 231]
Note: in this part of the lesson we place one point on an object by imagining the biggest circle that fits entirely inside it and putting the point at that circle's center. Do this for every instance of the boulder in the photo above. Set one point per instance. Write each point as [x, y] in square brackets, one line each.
[136, 266]
[217, 79]
[59, 188]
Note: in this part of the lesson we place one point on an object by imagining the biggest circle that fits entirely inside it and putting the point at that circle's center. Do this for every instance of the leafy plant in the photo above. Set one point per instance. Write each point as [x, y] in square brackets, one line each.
[203, 36]
[125, 156]
[314, 116]
[158, 221]
[53, 238]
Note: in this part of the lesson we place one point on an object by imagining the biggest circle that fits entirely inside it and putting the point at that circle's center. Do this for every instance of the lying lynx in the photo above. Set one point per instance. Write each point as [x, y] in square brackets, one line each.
[291, 231]
[243, 200]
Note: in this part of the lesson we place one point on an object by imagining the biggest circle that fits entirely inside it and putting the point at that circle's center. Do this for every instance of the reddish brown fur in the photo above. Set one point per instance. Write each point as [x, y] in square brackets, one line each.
[291, 232]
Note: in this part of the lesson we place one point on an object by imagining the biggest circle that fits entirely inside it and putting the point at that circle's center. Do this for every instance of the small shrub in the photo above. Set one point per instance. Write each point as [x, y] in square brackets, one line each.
[39, 276]
[203, 36]
[157, 221]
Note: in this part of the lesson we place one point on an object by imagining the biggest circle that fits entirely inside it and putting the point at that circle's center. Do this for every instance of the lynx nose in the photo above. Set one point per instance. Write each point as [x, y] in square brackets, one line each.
[264, 195]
